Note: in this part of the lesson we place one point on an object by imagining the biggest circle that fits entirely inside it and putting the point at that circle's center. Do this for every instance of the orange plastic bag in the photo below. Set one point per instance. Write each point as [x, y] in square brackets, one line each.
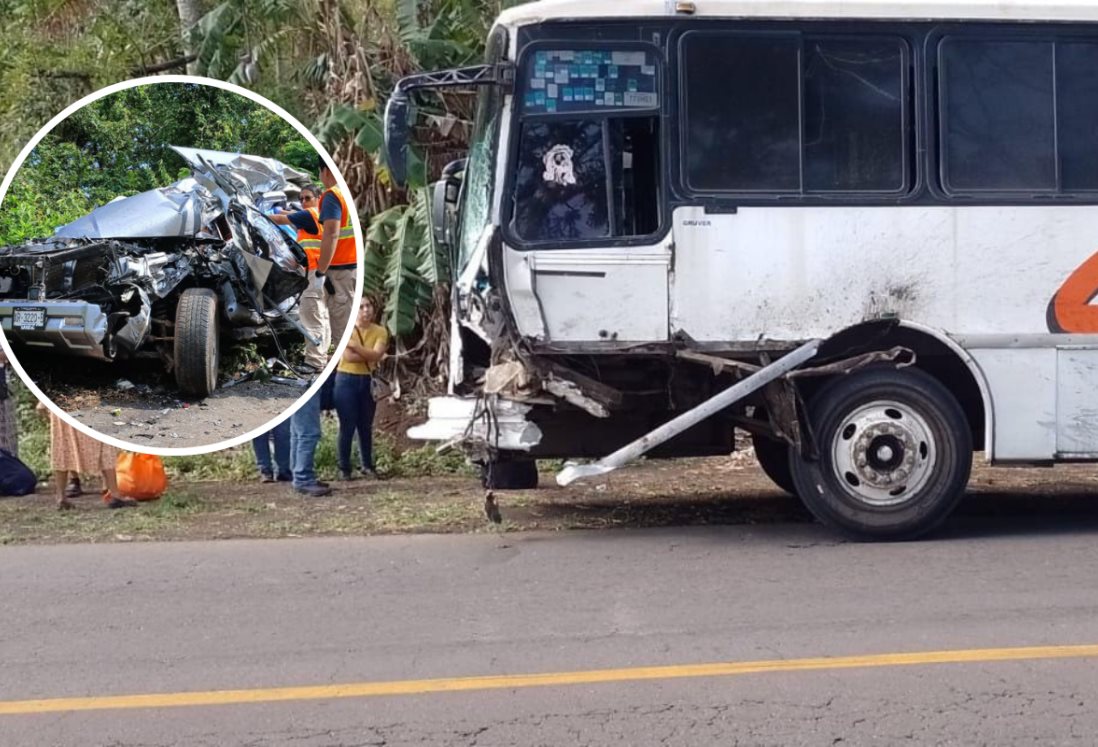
[141, 476]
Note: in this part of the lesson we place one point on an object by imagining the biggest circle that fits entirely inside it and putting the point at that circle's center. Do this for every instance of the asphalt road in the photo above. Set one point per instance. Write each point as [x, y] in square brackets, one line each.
[364, 621]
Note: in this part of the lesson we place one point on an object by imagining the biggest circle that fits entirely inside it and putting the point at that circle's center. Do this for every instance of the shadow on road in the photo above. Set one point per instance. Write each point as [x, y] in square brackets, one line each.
[989, 514]
[980, 514]
[676, 510]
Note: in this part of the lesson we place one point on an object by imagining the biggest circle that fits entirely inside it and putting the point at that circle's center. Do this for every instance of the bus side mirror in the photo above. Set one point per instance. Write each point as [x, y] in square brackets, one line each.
[444, 201]
[397, 129]
[439, 215]
[453, 175]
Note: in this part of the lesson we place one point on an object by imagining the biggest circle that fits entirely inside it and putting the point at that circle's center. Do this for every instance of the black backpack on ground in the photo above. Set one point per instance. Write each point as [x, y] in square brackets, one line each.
[16, 478]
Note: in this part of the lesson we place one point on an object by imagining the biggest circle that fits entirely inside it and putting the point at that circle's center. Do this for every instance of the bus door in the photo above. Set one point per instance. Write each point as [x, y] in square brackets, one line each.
[588, 246]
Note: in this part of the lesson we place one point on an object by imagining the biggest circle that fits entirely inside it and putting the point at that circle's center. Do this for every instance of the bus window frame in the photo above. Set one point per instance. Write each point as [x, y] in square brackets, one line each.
[660, 113]
[800, 31]
[1051, 33]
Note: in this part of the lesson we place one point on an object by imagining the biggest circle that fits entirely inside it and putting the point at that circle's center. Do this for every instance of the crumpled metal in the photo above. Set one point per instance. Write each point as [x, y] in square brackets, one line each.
[188, 207]
[267, 180]
[176, 211]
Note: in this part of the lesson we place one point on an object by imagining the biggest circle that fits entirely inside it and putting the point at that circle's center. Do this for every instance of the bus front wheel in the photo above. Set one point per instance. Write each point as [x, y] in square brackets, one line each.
[894, 454]
[509, 474]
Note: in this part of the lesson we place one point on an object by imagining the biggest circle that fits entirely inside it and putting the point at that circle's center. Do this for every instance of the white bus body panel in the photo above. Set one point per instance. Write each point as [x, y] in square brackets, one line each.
[1023, 394]
[796, 273]
[986, 273]
[1077, 402]
[983, 275]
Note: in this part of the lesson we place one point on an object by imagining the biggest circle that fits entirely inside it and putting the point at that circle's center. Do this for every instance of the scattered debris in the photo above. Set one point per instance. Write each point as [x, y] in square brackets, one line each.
[303, 383]
[239, 380]
[491, 509]
[152, 270]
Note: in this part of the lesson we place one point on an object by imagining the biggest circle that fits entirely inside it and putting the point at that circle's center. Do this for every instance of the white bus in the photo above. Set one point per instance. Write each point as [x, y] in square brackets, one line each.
[863, 231]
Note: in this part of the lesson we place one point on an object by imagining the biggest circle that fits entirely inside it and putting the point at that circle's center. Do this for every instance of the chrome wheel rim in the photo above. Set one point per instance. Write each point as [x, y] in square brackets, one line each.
[883, 453]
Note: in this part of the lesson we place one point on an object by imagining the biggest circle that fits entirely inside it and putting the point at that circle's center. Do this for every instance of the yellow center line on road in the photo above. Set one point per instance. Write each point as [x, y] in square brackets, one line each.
[514, 681]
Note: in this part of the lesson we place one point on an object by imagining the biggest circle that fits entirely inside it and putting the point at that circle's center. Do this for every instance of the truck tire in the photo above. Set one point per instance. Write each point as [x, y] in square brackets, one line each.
[895, 452]
[509, 474]
[197, 342]
[773, 456]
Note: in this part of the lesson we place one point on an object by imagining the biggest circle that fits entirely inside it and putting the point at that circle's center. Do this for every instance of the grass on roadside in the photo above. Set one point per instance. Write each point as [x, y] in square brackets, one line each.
[238, 463]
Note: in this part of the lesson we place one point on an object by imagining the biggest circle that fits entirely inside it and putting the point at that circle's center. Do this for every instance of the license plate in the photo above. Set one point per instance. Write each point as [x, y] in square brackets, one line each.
[29, 317]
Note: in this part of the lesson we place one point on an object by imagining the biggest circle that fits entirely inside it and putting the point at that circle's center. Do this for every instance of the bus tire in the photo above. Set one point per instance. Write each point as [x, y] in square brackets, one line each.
[197, 342]
[509, 474]
[773, 457]
[895, 453]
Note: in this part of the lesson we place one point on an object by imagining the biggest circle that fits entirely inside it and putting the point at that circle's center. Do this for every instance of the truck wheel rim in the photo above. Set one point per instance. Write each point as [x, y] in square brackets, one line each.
[883, 453]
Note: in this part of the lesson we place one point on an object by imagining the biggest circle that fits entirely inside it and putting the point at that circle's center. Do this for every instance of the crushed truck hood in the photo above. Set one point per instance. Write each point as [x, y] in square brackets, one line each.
[187, 207]
[180, 210]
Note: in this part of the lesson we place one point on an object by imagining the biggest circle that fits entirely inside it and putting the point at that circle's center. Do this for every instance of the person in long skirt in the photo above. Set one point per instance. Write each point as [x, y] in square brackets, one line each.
[72, 451]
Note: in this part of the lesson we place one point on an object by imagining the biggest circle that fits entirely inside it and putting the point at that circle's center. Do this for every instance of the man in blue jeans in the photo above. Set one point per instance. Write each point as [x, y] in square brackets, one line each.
[304, 436]
[261, 445]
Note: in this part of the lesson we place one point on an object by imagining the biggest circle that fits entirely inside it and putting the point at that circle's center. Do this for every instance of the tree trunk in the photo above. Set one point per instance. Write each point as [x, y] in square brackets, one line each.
[190, 13]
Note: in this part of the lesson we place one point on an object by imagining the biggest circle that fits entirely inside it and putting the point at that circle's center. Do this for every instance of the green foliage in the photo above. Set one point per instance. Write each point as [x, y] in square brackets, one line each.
[33, 430]
[403, 264]
[52, 52]
[299, 154]
[37, 202]
[118, 146]
[229, 464]
[339, 122]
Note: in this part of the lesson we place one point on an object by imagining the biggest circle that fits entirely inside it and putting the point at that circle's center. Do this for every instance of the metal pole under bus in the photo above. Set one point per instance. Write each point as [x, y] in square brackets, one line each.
[677, 425]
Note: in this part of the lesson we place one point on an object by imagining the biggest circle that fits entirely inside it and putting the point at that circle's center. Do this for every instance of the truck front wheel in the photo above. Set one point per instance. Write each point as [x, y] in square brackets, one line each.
[197, 342]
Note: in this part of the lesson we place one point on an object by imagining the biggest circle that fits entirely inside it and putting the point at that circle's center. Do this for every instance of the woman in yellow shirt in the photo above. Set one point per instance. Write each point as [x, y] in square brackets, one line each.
[353, 395]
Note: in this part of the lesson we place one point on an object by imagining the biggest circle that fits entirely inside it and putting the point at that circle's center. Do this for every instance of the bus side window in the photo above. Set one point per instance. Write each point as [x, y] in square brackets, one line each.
[587, 179]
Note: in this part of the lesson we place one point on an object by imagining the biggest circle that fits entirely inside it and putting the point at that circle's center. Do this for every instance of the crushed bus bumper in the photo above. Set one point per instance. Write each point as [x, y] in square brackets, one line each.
[473, 422]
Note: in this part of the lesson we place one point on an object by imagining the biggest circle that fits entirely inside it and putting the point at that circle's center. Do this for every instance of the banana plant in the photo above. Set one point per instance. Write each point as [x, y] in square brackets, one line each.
[402, 264]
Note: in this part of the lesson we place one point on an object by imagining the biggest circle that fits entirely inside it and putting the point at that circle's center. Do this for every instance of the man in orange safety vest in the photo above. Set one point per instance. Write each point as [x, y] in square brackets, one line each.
[312, 306]
[339, 255]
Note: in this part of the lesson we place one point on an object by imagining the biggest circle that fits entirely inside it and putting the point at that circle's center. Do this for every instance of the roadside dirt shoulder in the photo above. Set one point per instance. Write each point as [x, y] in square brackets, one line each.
[726, 490]
[165, 421]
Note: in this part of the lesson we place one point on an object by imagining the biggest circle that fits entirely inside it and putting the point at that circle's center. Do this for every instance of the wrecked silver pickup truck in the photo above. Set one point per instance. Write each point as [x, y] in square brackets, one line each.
[166, 273]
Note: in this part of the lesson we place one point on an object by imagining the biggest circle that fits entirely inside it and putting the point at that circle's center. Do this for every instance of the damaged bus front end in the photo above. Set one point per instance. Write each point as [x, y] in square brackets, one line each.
[464, 225]
[544, 363]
